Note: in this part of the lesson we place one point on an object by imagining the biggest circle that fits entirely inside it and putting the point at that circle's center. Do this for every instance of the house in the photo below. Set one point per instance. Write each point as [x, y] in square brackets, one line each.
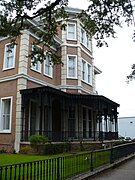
[60, 102]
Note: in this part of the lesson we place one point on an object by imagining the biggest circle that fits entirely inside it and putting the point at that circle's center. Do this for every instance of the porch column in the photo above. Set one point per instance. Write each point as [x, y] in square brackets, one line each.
[94, 125]
[100, 127]
[41, 114]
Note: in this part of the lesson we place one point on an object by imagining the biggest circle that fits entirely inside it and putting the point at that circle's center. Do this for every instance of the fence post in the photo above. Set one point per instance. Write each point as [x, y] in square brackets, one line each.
[111, 155]
[0, 172]
[58, 168]
[91, 161]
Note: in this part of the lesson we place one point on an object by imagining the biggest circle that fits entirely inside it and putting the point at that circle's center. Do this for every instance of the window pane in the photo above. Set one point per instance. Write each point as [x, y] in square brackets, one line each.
[48, 65]
[71, 31]
[89, 73]
[6, 114]
[83, 70]
[9, 56]
[71, 66]
[37, 64]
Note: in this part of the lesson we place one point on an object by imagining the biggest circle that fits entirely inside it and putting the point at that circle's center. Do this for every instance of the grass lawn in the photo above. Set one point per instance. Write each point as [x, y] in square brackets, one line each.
[69, 164]
[19, 158]
[6, 159]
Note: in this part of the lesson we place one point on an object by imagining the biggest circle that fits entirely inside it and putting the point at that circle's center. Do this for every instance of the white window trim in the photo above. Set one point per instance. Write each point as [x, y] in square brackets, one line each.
[1, 130]
[85, 39]
[84, 70]
[14, 57]
[69, 77]
[39, 64]
[86, 74]
[74, 39]
[51, 66]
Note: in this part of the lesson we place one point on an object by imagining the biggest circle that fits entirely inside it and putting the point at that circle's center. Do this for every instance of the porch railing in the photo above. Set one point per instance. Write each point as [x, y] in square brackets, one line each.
[56, 136]
[65, 167]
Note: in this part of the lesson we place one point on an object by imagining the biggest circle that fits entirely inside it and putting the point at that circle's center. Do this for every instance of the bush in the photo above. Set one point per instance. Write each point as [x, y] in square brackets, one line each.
[57, 148]
[25, 149]
[38, 141]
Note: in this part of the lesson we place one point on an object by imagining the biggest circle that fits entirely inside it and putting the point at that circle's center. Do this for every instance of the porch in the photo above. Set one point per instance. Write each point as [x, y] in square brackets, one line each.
[67, 117]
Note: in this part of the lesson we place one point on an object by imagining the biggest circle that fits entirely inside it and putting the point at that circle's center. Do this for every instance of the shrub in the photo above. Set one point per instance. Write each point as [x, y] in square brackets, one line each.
[25, 149]
[57, 148]
[37, 141]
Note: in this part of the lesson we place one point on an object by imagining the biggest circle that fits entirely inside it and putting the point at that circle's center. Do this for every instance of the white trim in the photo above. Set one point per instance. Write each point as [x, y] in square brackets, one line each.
[77, 45]
[4, 38]
[86, 72]
[4, 98]
[85, 38]
[5, 56]
[71, 55]
[68, 38]
[39, 65]
[76, 87]
[50, 67]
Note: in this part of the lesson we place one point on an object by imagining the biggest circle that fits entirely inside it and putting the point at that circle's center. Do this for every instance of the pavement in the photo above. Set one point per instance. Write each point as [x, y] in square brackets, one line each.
[124, 169]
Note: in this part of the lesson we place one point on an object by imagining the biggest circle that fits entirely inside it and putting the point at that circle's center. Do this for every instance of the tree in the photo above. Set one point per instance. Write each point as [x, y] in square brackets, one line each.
[99, 19]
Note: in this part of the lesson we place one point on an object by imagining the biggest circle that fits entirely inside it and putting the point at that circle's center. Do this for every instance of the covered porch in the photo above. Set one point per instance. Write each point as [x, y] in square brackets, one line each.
[67, 117]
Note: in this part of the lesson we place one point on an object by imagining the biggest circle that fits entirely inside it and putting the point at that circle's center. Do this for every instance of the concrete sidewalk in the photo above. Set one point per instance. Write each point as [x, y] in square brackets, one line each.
[123, 169]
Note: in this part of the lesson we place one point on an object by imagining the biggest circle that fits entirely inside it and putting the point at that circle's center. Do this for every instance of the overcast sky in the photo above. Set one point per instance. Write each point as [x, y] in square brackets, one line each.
[115, 62]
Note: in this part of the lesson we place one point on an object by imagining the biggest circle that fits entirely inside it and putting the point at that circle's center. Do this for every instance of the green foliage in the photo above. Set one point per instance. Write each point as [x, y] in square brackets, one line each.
[2, 151]
[25, 149]
[57, 148]
[99, 20]
[37, 141]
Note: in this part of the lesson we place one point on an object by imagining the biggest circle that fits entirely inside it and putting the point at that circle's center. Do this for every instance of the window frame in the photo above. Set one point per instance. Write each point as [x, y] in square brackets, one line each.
[2, 130]
[50, 75]
[38, 64]
[86, 71]
[75, 58]
[5, 57]
[68, 37]
[85, 40]
[89, 75]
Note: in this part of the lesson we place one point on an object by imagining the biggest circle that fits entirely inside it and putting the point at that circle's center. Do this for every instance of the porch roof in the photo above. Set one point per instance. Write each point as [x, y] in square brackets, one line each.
[85, 98]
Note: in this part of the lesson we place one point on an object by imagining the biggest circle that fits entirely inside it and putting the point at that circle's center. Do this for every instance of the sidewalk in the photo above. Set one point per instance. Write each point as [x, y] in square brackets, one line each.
[123, 169]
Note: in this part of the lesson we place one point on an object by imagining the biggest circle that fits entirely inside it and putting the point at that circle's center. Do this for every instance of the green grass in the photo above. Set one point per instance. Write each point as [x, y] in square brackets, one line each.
[71, 164]
[6, 159]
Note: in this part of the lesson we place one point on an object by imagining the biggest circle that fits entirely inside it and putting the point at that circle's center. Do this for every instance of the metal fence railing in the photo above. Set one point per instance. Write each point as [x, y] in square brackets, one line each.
[65, 167]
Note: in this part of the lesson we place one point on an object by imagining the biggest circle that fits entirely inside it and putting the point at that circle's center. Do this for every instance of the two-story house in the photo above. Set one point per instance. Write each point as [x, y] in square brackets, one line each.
[58, 101]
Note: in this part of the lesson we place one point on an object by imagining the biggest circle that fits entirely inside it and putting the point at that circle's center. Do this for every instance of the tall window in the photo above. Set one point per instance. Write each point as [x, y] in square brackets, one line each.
[48, 68]
[83, 70]
[85, 39]
[72, 67]
[89, 73]
[86, 72]
[71, 31]
[37, 64]
[82, 36]
[5, 119]
[9, 56]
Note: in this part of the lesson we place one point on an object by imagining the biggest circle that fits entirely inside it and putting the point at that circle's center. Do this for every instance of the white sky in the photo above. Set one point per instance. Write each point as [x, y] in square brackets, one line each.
[115, 62]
